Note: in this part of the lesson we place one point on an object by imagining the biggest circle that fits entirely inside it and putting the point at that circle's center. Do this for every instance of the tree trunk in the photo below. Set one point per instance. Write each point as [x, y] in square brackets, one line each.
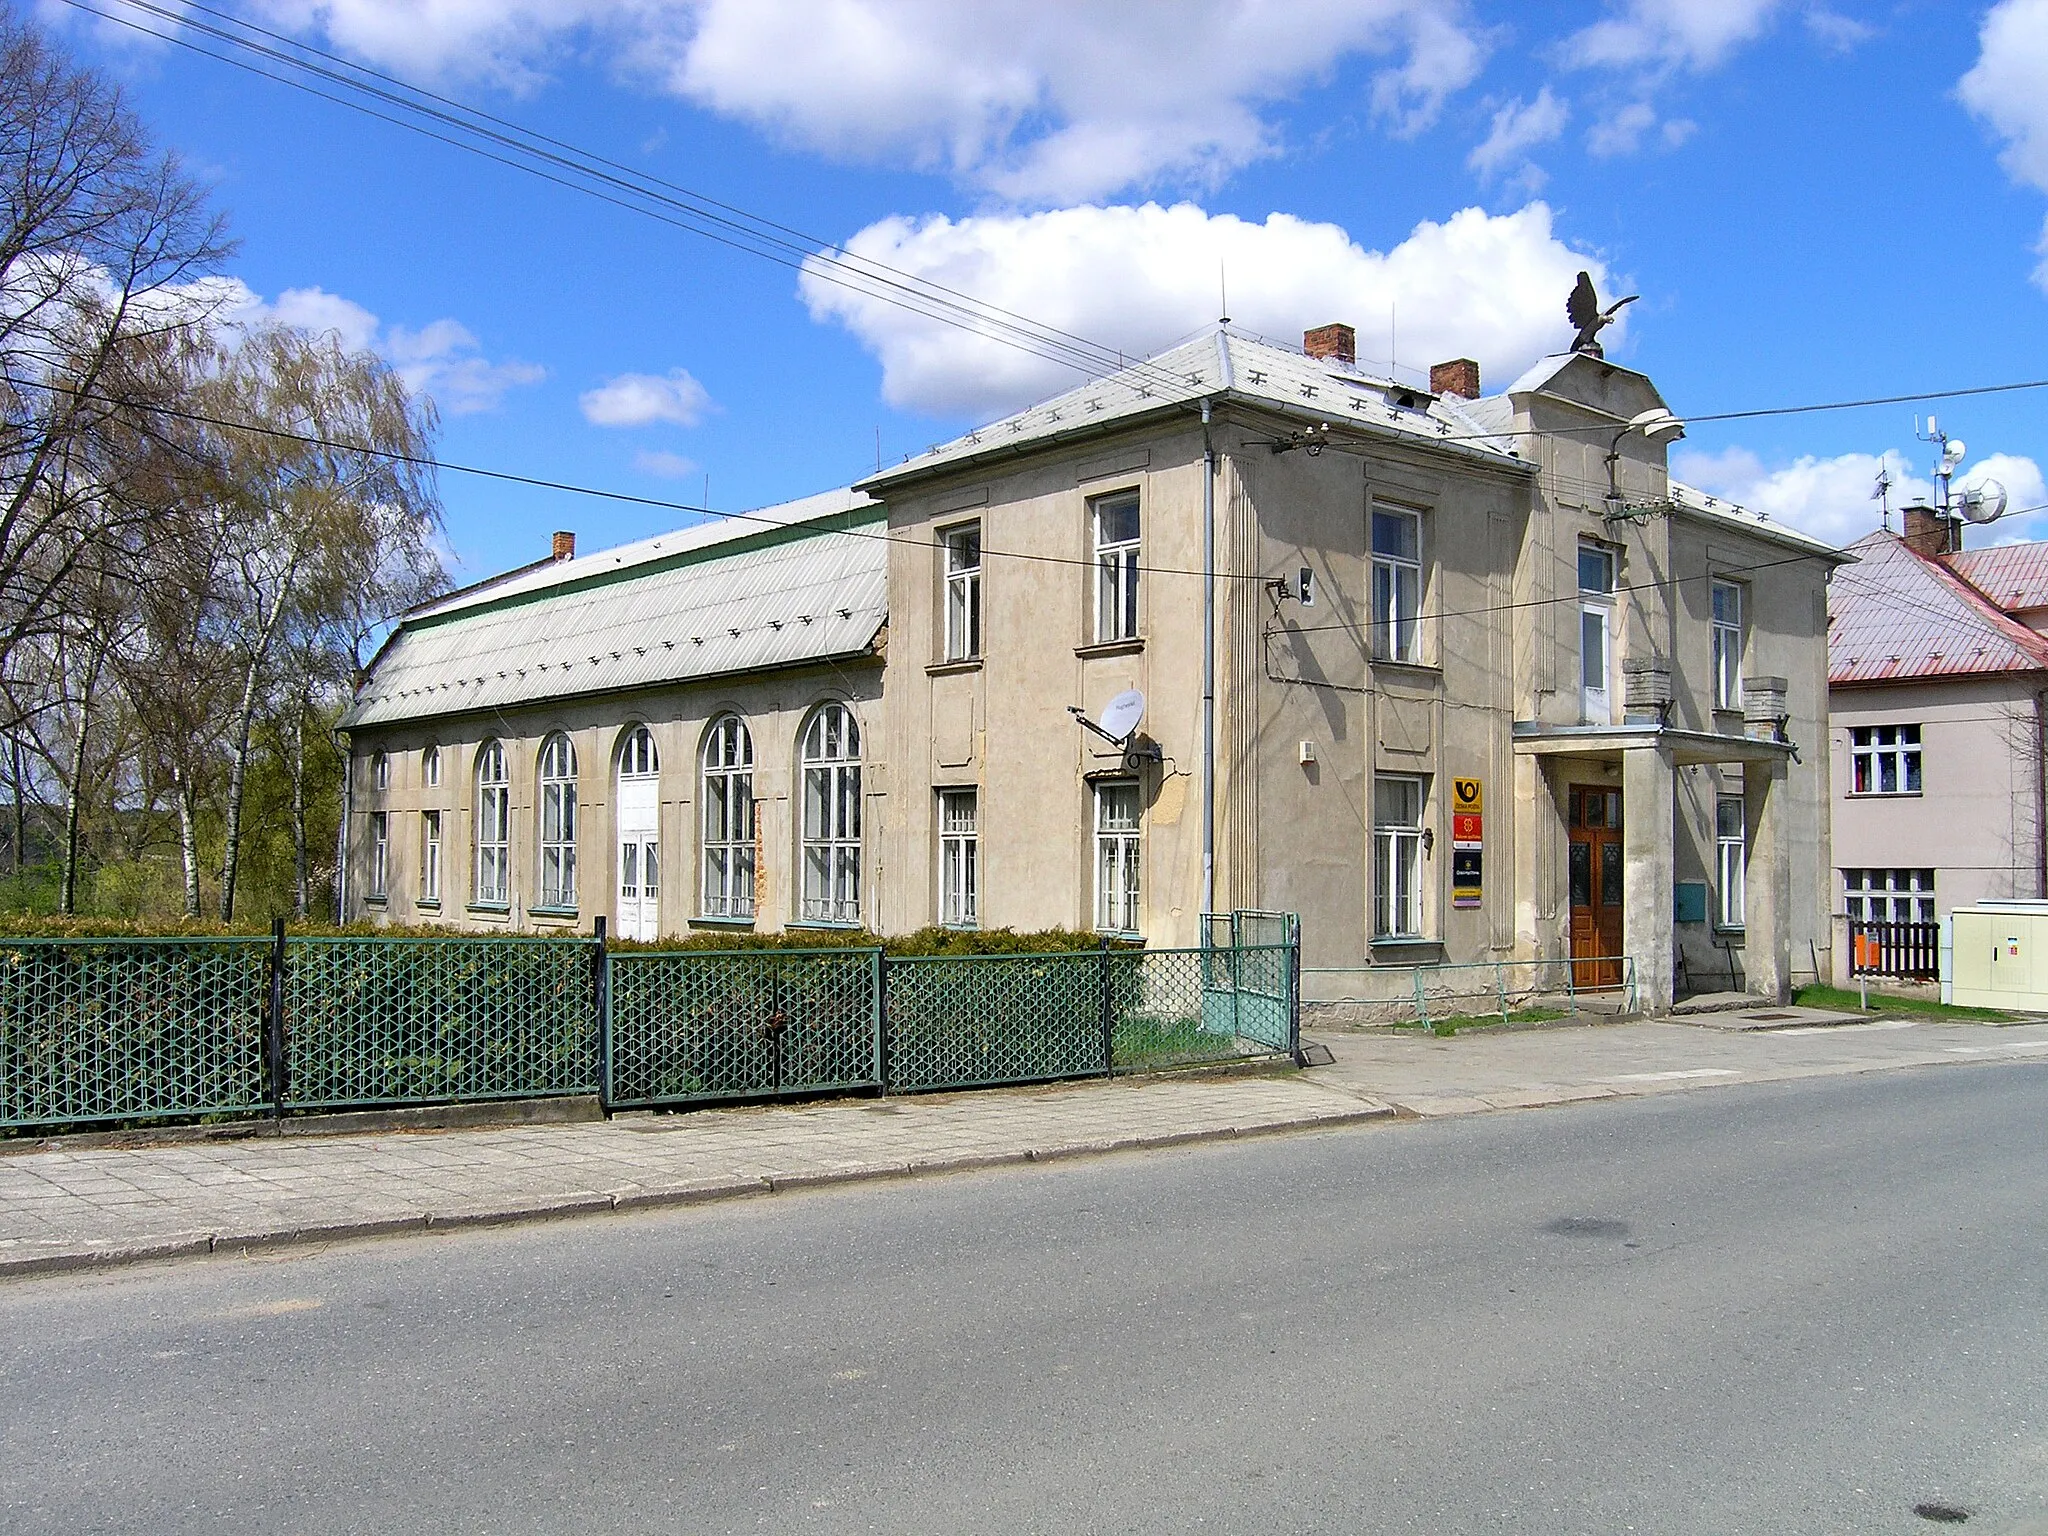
[74, 790]
[188, 841]
[302, 888]
[20, 807]
[238, 773]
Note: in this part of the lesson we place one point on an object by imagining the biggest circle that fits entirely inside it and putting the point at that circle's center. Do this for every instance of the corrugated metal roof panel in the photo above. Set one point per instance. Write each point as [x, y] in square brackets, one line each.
[1897, 615]
[805, 597]
[2013, 576]
[1700, 505]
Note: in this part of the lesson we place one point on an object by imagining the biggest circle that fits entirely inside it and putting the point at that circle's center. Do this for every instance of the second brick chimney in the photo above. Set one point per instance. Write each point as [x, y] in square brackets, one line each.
[1338, 341]
[565, 544]
[1926, 531]
[1459, 376]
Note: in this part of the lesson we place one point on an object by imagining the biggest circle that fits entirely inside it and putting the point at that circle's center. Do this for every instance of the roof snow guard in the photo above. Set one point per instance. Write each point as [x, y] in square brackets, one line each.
[1224, 365]
[1897, 616]
[803, 582]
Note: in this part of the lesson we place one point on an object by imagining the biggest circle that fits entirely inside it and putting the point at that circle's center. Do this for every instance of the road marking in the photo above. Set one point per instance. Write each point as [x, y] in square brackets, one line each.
[1672, 1077]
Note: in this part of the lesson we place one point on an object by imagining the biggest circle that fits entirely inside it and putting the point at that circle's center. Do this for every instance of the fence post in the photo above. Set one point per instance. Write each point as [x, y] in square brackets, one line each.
[273, 1023]
[1293, 932]
[601, 995]
[1500, 983]
[1107, 1012]
[880, 990]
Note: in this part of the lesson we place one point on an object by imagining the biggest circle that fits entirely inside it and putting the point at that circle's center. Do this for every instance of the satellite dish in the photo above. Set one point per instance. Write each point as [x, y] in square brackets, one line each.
[1120, 716]
[1952, 453]
[1984, 502]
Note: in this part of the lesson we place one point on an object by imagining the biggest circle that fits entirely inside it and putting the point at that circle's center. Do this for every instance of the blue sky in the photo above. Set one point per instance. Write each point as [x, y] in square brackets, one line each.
[1816, 204]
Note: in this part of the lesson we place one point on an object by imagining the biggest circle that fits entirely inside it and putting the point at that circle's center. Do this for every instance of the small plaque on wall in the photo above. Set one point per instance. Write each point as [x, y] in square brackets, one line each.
[1468, 883]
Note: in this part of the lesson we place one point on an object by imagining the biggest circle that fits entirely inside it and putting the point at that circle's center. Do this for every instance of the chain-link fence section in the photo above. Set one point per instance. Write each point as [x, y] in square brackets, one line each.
[120, 1029]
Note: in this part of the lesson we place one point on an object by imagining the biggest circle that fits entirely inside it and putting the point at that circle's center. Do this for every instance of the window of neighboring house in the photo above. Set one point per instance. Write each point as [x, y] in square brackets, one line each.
[1889, 895]
[430, 768]
[1884, 760]
[831, 817]
[1727, 645]
[1396, 584]
[430, 856]
[1116, 568]
[1596, 633]
[1397, 856]
[729, 819]
[380, 853]
[493, 826]
[1731, 859]
[959, 876]
[557, 822]
[963, 591]
[1117, 853]
[380, 770]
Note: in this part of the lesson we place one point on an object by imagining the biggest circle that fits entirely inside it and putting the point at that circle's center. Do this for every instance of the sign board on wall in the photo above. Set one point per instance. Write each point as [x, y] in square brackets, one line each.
[1468, 842]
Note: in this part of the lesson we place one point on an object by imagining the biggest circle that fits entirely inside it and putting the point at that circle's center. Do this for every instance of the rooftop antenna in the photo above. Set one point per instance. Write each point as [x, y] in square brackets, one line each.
[1223, 289]
[1881, 493]
[1952, 454]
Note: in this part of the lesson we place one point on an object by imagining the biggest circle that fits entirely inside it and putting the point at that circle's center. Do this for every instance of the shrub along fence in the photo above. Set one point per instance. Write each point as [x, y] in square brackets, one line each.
[96, 1030]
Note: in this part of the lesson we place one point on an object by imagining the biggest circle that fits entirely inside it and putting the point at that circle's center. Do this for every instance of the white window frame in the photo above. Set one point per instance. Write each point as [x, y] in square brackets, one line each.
[1116, 567]
[1731, 862]
[380, 770]
[1119, 855]
[830, 819]
[1396, 534]
[1885, 760]
[961, 546]
[1397, 858]
[1889, 895]
[493, 826]
[727, 771]
[380, 855]
[959, 812]
[430, 857]
[1596, 617]
[1727, 620]
[558, 823]
[430, 768]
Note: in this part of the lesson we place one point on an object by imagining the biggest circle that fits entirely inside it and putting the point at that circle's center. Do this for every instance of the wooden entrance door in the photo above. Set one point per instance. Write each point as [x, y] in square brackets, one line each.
[1596, 878]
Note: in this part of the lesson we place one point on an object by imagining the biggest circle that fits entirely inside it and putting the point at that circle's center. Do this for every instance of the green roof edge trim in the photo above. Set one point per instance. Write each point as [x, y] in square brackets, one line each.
[767, 538]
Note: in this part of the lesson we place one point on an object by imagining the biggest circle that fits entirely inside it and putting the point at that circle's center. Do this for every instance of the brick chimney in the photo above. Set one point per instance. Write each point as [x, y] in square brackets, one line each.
[565, 544]
[1927, 532]
[1459, 376]
[1338, 341]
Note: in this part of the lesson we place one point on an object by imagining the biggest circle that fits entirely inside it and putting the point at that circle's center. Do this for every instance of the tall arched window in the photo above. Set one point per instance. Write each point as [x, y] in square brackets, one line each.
[728, 819]
[493, 825]
[638, 820]
[557, 822]
[831, 817]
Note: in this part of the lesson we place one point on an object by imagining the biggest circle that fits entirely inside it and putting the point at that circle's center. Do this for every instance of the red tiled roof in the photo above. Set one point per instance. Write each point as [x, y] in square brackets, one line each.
[2013, 576]
[1897, 614]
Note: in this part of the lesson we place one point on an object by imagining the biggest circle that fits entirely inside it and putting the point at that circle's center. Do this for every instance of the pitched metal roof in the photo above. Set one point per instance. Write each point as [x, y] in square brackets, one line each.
[802, 582]
[1702, 507]
[1225, 364]
[2014, 576]
[1897, 615]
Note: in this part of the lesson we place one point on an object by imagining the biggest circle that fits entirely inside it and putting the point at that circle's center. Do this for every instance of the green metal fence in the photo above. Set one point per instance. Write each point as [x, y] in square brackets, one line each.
[99, 1030]
[120, 1029]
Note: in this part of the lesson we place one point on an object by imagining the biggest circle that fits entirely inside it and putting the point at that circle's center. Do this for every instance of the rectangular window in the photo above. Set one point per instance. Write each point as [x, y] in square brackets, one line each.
[1116, 856]
[1884, 760]
[1889, 895]
[1397, 857]
[1731, 859]
[380, 853]
[963, 592]
[1396, 584]
[1116, 568]
[1596, 634]
[1727, 645]
[430, 856]
[959, 856]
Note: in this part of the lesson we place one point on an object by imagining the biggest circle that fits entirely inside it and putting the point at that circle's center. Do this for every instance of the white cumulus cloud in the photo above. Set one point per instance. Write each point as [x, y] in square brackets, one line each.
[1485, 286]
[1519, 127]
[1670, 34]
[669, 466]
[1832, 497]
[2008, 89]
[1040, 100]
[641, 399]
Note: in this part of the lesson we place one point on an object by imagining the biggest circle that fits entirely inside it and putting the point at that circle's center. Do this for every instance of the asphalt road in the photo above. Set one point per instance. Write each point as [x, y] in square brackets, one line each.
[1791, 1308]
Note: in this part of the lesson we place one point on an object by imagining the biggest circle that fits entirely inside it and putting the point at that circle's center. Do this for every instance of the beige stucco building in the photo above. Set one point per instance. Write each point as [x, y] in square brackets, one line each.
[1457, 678]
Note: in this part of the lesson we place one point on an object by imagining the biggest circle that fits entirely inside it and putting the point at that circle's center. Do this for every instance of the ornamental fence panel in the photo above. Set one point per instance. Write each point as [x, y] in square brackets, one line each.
[1899, 951]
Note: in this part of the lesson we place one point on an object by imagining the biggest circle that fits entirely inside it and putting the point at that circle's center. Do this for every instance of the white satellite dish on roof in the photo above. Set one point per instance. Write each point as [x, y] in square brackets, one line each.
[1120, 716]
[1983, 502]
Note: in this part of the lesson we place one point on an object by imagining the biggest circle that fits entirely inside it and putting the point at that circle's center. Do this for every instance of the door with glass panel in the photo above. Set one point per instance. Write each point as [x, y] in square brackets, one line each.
[639, 837]
[1596, 885]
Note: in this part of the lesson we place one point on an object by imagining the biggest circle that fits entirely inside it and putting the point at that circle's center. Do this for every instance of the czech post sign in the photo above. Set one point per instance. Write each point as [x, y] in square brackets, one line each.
[1468, 807]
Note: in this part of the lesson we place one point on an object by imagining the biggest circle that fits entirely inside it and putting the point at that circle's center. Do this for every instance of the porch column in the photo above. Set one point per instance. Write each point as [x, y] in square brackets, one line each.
[1766, 891]
[1647, 839]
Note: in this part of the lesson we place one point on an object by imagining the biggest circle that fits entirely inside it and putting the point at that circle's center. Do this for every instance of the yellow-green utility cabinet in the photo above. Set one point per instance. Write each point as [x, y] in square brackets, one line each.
[1999, 955]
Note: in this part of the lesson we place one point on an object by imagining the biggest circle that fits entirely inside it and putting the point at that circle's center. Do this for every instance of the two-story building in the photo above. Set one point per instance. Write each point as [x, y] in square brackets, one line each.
[1457, 678]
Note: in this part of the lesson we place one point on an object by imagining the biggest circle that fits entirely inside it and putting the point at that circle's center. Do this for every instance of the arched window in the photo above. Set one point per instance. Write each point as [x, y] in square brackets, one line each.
[831, 817]
[638, 757]
[493, 826]
[637, 821]
[728, 819]
[557, 822]
[380, 770]
[430, 768]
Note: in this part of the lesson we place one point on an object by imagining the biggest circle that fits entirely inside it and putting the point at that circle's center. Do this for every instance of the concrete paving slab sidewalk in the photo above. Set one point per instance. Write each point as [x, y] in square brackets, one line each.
[70, 1207]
